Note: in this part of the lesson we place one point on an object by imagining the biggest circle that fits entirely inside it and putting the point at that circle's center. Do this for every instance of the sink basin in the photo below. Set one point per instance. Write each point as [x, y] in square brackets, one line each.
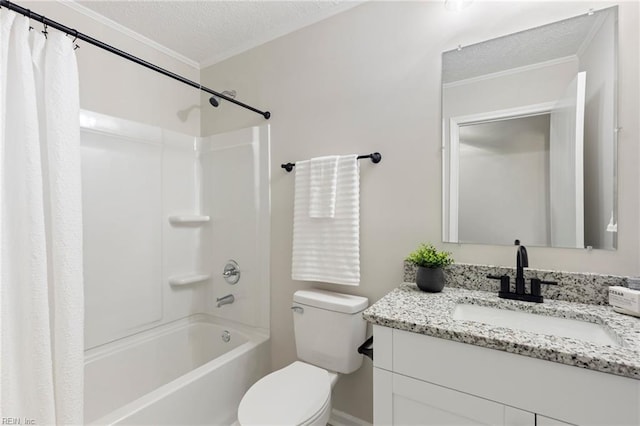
[541, 324]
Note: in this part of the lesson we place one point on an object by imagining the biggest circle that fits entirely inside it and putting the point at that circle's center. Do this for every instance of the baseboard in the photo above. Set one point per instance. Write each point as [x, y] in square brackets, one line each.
[339, 418]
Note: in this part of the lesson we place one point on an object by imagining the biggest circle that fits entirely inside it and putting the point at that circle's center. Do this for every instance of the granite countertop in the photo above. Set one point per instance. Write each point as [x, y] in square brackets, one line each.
[408, 308]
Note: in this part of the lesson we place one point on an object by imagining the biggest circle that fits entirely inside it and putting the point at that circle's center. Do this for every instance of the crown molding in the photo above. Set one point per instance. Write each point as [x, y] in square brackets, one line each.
[129, 33]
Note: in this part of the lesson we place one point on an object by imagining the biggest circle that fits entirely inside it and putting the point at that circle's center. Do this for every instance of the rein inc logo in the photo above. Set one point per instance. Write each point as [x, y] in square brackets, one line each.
[17, 421]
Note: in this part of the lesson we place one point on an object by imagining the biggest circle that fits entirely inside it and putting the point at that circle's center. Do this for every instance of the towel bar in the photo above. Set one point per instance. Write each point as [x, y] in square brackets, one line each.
[376, 157]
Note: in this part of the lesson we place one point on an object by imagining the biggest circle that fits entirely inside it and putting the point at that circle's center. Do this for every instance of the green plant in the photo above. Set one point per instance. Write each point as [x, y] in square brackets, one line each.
[426, 255]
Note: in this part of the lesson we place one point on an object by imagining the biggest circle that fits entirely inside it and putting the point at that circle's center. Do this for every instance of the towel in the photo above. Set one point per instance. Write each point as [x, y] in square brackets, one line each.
[328, 249]
[323, 176]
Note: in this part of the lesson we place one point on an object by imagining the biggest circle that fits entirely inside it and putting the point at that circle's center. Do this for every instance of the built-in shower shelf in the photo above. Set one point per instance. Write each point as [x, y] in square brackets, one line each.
[185, 220]
[188, 279]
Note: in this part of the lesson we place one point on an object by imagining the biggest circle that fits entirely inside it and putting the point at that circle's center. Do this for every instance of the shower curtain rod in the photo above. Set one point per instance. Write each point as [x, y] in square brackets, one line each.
[80, 36]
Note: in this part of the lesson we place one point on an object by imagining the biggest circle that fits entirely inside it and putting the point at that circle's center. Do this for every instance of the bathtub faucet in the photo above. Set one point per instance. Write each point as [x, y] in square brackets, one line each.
[225, 300]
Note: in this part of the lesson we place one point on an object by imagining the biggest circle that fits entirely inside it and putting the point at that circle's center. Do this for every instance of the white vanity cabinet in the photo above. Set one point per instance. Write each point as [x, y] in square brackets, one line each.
[423, 380]
[416, 402]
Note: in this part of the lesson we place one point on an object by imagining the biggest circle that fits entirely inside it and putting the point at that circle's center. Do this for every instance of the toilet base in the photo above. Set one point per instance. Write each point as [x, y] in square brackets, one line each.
[321, 420]
[322, 417]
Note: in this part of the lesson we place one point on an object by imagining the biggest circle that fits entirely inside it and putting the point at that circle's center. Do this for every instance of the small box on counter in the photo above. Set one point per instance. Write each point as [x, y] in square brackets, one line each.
[625, 300]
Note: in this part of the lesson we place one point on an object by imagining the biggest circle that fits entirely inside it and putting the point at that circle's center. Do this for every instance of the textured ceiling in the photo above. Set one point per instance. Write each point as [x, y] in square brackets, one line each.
[209, 31]
[541, 44]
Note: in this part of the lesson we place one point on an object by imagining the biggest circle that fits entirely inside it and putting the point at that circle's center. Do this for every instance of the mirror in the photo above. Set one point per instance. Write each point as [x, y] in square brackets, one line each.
[529, 136]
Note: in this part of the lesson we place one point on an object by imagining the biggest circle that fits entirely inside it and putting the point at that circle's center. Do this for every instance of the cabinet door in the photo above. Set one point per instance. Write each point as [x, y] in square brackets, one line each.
[382, 396]
[415, 402]
[548, 421]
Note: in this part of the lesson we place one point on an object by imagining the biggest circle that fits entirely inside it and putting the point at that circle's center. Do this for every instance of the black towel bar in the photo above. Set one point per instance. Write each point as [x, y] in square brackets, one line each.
[376, 157]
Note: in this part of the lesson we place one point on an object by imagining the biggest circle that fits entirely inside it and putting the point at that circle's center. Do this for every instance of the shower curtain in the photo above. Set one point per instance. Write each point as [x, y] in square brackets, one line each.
[41, 296]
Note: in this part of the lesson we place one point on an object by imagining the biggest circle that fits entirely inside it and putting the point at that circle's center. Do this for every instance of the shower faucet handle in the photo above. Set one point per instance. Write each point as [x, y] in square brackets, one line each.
[231, 272]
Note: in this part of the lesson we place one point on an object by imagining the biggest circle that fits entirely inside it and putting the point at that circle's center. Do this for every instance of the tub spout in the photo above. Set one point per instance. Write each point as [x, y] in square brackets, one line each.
[225, 300]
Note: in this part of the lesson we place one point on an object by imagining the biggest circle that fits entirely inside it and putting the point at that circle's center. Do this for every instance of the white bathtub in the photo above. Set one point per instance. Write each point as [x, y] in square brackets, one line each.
[183, 373]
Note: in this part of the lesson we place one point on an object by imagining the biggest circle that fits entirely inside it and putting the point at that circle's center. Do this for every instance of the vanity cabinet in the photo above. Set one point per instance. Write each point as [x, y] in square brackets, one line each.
[415, 402]
[423, 380]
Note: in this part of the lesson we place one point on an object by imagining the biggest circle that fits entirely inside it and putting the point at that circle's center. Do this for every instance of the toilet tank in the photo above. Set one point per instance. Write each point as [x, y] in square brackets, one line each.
[329, 328]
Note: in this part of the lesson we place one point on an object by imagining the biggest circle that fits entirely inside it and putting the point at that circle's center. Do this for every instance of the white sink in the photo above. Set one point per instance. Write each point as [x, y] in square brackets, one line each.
[541, 324]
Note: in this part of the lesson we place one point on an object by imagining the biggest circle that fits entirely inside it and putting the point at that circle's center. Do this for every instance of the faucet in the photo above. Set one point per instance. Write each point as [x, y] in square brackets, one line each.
[522, 261]
[225, 300]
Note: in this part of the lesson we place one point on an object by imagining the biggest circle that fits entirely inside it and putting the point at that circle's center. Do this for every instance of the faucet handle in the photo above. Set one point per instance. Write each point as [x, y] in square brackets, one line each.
[505, 287]
[535, 285]
[496, 277]
[231, 272]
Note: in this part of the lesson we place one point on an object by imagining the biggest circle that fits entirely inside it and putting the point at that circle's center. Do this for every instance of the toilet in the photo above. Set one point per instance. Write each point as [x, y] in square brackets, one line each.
[328, 330]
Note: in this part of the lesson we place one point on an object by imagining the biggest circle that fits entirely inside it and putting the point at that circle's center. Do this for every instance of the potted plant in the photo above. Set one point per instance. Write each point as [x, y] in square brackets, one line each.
[430, 275]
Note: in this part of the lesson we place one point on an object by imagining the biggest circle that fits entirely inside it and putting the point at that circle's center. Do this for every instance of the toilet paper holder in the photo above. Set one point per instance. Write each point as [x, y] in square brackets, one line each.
[366, 348]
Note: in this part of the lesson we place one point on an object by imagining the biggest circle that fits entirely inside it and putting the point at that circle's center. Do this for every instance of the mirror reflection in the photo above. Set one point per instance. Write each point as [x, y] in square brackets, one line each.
[529, 138]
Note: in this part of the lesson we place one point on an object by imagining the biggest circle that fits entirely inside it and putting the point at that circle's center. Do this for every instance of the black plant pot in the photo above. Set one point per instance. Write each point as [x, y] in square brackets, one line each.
[430, 279]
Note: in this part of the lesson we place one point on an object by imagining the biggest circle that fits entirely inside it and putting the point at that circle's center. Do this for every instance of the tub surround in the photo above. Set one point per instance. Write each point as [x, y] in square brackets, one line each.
[408, 308]
[572, 286]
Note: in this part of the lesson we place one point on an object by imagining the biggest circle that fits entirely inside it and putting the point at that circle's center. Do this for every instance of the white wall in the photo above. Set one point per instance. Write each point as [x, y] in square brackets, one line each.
[369, 80]
[504, 182]
[119, 88]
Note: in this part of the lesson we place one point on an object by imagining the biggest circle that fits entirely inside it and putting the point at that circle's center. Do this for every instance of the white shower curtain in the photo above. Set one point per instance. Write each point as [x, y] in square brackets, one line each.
[41, 295]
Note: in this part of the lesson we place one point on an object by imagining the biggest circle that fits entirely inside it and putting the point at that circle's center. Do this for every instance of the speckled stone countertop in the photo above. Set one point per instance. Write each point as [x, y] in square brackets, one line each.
[577, 287]
[408, 308]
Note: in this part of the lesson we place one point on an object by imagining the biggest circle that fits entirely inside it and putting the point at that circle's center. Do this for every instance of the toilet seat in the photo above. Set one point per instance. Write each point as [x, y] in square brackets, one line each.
[295, 395]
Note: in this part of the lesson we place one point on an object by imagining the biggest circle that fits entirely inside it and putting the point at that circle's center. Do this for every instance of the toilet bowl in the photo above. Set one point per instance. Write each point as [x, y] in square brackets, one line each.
[299, 394]
[328, 329]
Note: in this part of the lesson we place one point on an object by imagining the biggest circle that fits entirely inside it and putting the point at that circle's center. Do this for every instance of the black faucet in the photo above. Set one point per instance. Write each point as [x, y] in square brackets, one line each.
[522, 261]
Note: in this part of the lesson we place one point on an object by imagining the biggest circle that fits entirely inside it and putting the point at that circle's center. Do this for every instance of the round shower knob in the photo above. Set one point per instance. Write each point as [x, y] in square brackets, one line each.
[231, 272]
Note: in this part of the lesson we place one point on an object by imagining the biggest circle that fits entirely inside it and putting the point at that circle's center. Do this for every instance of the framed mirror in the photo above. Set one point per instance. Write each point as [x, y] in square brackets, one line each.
[529, 136]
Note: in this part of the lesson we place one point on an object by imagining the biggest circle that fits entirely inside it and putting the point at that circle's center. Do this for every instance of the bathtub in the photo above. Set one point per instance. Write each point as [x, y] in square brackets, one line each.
[192, 371]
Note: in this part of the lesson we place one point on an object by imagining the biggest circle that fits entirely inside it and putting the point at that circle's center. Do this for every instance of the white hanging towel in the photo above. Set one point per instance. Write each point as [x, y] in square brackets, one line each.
[328, 249]
[323, 178]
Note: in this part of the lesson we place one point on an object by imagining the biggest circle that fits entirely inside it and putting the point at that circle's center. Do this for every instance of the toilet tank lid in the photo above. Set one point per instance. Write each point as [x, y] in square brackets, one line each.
[338, 302]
